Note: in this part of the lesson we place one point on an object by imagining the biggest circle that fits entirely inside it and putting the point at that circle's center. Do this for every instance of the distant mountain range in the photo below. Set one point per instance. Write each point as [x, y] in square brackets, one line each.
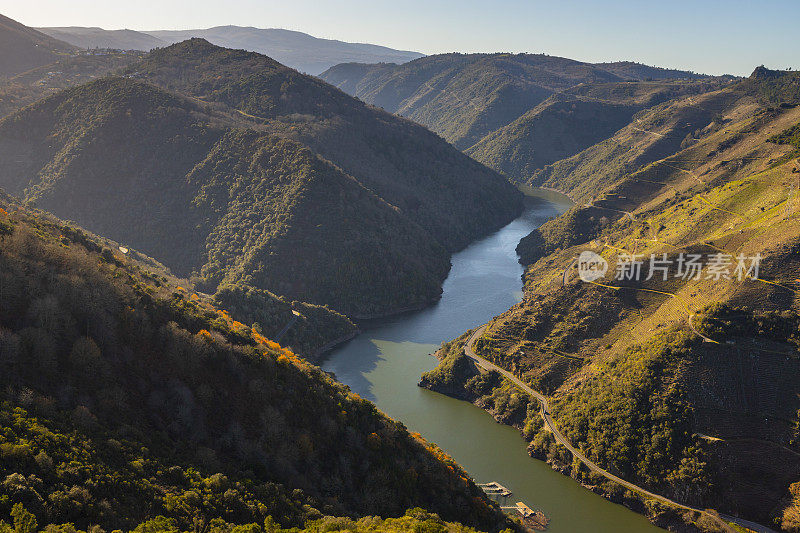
[516, 112]
[100, 38]
[292, 48]
[463, 97]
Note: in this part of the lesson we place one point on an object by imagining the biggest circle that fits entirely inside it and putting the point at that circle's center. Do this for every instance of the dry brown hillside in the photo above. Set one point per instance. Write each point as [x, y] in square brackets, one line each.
[687, 386]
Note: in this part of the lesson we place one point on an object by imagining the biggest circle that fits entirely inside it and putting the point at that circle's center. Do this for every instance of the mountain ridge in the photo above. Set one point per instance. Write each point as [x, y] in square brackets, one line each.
[293, 48]
[332, 124]
[573, 120]
[205, 208]
[499, 87]
[94, 37]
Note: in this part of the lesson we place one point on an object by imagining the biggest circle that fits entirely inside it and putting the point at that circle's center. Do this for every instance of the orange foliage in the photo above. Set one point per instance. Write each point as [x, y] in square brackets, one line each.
[259, 338]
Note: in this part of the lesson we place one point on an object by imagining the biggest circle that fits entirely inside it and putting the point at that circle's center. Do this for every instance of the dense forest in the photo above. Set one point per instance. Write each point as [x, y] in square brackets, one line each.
[153, 171]
[451, 196]
[308, 329]
[260, 176]
[125, 400]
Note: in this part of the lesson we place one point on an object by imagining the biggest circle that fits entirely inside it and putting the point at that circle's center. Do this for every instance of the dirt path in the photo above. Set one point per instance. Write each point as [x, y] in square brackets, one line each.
[561, 439]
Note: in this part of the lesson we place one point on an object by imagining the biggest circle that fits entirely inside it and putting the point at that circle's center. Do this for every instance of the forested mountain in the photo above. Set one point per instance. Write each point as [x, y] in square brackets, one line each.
[292, 48]
[154, 171]
[24, 48]
[126, 403]
[464, 97]
[229, 184]
[685, 385]
[448, 194]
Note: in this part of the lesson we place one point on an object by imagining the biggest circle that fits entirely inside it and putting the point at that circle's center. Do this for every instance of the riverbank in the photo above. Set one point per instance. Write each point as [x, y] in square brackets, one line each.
[529, 191]
[460, 378]
[385, 362]
[465, 375]
[395, 312]
[323, 350]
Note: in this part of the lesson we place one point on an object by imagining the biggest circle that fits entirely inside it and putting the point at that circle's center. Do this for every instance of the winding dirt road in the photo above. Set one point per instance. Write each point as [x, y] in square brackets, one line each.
[561, 439]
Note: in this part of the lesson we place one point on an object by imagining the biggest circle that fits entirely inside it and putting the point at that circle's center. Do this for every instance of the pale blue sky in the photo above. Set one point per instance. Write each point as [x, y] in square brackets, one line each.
[711, 36]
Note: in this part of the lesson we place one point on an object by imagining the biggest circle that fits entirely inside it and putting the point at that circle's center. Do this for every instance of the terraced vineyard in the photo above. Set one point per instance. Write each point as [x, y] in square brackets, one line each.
[681, 385]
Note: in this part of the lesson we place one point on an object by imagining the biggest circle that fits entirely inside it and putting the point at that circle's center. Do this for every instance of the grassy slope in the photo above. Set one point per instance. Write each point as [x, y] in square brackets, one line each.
[652, 135]
[124, 399]
[649, 158]
[632, 384]
[553, 130]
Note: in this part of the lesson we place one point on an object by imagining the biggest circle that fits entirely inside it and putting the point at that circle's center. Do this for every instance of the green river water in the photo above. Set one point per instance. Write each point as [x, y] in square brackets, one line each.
[385, 362]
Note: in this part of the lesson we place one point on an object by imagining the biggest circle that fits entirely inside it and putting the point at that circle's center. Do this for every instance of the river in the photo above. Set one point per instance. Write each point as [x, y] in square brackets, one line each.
[385, 362]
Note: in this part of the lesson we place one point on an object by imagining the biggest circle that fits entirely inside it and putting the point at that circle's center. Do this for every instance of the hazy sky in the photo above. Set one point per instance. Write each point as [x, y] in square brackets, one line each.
[710, 36]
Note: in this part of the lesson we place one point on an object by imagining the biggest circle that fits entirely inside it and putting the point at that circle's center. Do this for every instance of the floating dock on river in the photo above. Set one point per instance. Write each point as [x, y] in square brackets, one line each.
[535, 520]
[493, 488]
